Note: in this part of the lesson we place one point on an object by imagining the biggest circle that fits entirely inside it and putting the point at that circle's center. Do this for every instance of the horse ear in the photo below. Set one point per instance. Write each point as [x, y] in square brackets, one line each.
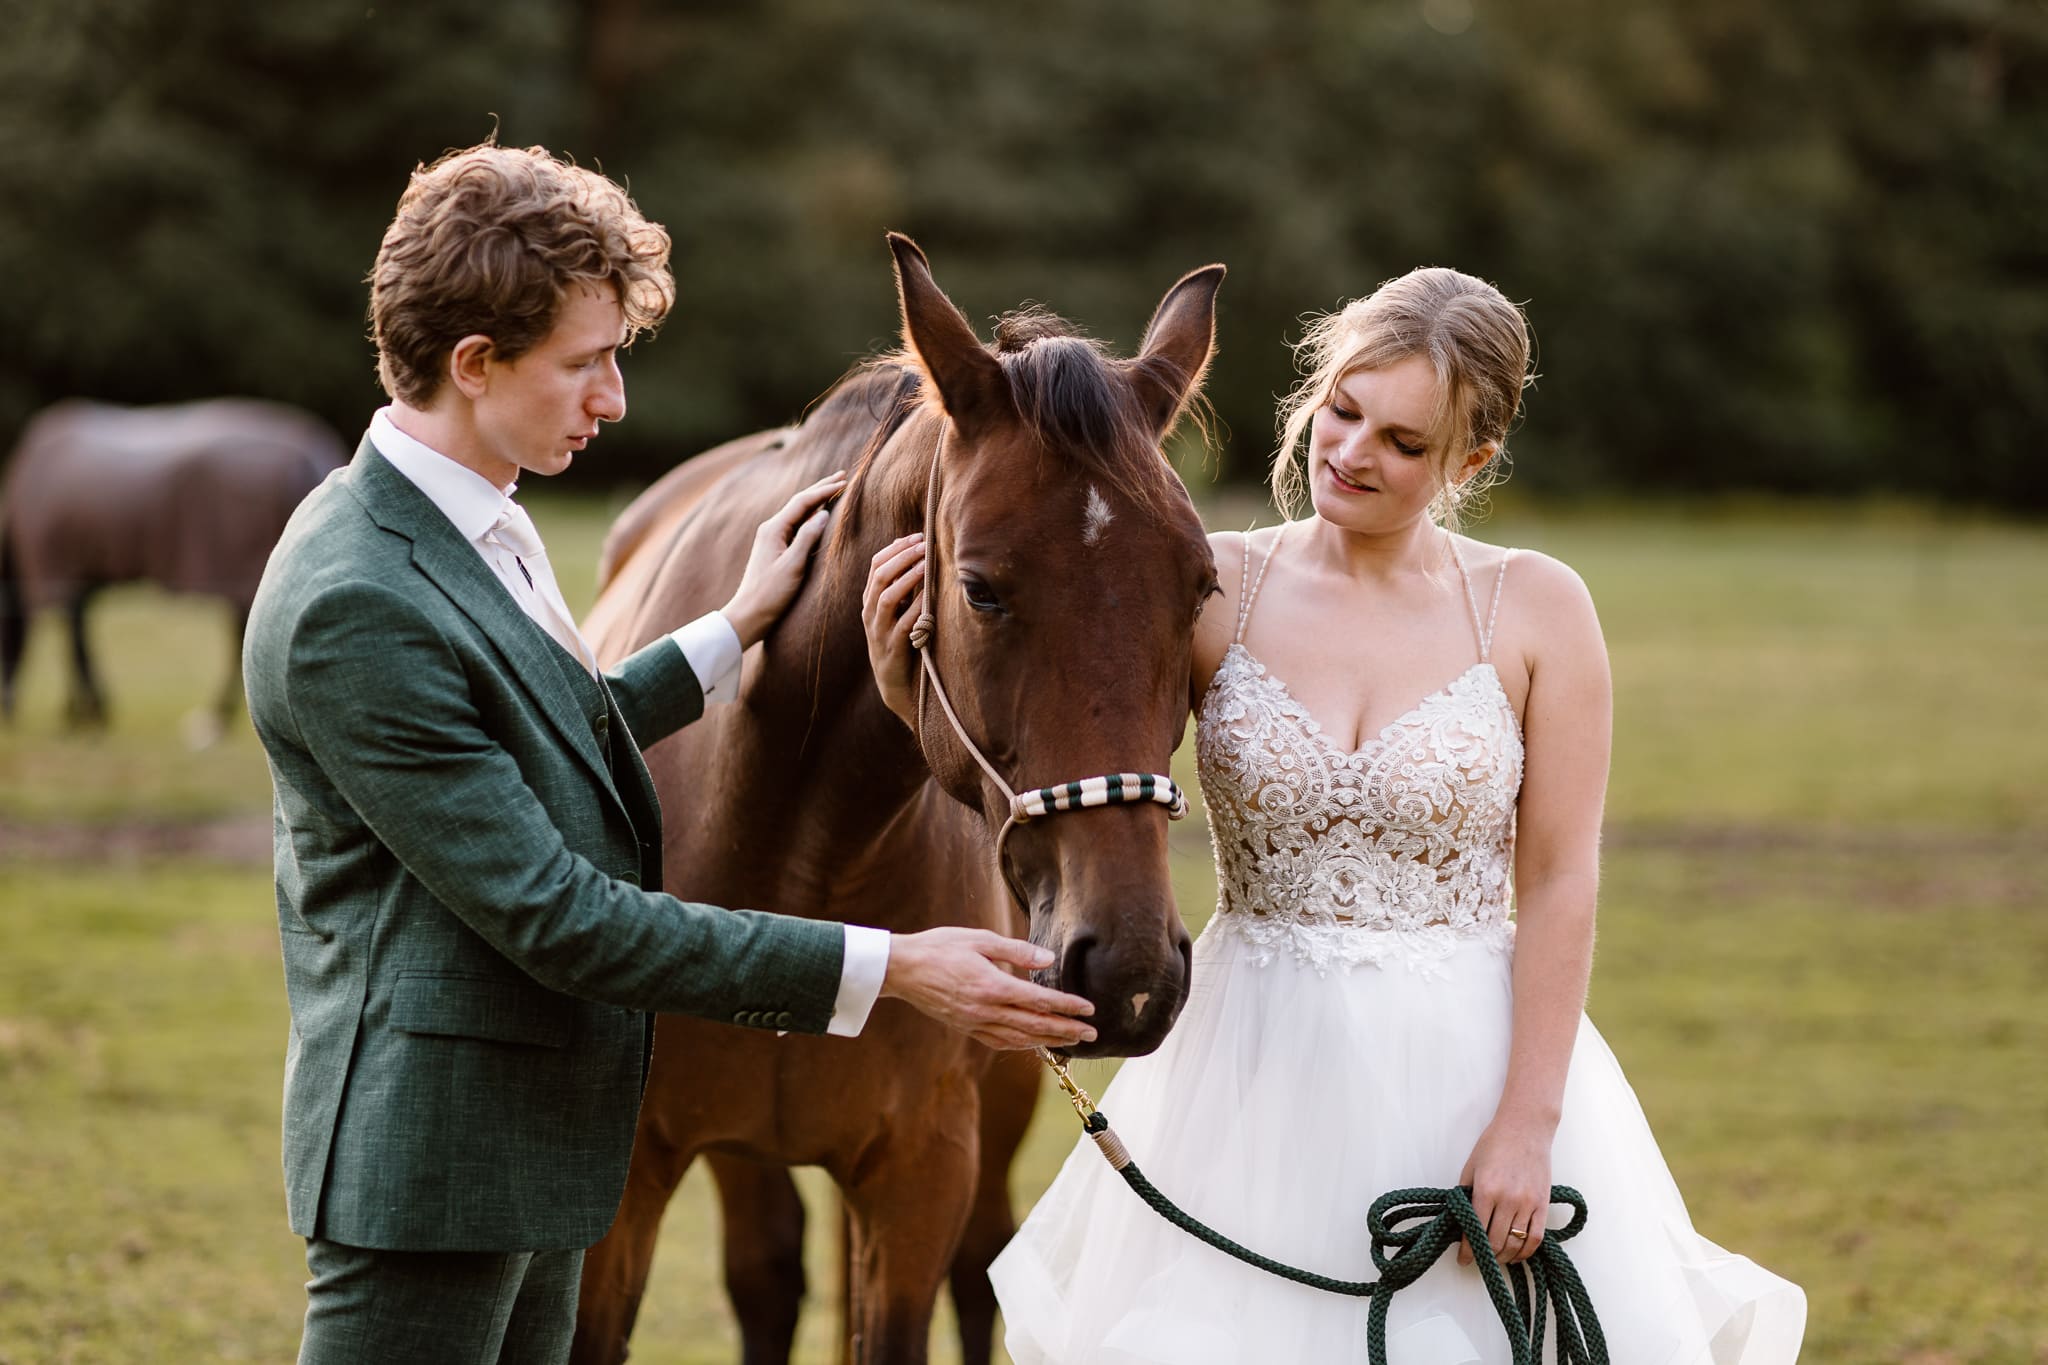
[1178, 343]
[969, 380]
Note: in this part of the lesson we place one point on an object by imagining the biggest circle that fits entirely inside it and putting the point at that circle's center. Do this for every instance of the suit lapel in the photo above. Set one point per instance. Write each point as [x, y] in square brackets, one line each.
[635, 785]
[453, 565]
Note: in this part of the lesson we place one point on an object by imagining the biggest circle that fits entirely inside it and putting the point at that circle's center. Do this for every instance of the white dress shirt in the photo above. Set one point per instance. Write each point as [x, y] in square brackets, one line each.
[475, 506]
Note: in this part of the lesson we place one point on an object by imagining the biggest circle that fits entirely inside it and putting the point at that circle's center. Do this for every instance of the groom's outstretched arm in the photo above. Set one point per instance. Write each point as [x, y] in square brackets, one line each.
[408, 751]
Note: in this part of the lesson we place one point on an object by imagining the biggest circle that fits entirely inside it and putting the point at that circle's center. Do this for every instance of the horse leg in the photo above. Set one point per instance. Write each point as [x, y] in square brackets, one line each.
[849, 1286]
[204, 729]
[1009, 1097]
[909, 1206]
[13, 644]
[764, 1254]
[13, 624]
[615, 1270]
[231, 689]
[88, 707]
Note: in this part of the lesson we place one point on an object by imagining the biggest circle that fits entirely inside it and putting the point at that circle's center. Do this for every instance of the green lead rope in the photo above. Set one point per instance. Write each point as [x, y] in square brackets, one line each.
[1410, 1230]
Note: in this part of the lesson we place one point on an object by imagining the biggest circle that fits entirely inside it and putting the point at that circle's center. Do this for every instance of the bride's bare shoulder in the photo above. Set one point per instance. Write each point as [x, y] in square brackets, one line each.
[1232, 550]
[1534, 580]
[1549, 587]
[1216, 627]
[1222, 544]
[1539, 611]
[1229, 551]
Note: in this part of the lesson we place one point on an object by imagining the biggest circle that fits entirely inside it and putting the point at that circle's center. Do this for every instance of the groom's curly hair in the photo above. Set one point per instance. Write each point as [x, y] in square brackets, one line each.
[487, 241]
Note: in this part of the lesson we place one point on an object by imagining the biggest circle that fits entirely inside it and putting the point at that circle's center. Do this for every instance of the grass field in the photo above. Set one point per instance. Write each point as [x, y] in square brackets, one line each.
[1823, 956]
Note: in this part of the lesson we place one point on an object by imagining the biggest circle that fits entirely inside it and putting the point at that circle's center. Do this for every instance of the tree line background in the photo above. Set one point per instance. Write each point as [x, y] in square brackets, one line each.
[1795, 248]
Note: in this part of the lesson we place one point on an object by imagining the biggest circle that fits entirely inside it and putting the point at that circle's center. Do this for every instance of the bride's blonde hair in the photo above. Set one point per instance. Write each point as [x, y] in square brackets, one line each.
[1475, 340]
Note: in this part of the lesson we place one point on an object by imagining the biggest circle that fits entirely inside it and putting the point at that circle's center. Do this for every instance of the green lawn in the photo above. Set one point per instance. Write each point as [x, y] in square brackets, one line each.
[1823, 955]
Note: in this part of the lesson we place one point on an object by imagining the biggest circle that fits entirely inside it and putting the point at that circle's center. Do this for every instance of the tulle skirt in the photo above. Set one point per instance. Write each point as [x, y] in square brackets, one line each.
[1283, 1103]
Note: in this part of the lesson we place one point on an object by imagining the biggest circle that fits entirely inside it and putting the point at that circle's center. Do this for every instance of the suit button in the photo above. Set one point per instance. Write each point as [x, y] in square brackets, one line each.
[783, 1020]
[601, 725]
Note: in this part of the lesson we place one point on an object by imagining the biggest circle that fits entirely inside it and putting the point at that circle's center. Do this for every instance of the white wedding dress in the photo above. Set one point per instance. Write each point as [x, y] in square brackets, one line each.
[1348, 1035]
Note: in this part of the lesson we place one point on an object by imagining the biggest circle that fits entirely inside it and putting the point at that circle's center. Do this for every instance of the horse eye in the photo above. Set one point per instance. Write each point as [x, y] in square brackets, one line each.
[980, 596]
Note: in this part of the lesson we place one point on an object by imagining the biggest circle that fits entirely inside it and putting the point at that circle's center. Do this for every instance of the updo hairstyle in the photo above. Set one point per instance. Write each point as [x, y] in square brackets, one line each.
[1475, 340]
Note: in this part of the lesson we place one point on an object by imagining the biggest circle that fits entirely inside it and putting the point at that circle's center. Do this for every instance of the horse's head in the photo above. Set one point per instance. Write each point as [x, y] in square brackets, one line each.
[1065, 568]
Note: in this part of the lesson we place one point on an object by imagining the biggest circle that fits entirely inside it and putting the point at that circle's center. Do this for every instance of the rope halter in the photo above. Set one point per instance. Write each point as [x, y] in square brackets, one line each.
[1113, 789]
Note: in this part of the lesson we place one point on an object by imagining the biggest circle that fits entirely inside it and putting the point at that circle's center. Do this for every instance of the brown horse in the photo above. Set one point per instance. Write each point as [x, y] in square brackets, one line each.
[1066, 569]
[191, 497]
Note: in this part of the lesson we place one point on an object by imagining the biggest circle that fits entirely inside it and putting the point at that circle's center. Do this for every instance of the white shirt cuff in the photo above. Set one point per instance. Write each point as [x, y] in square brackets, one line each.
[712, 647]
[860, 979]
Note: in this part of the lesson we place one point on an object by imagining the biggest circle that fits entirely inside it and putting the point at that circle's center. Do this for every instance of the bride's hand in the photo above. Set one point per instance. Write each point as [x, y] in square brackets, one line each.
[889, 607]
[1509, 1172]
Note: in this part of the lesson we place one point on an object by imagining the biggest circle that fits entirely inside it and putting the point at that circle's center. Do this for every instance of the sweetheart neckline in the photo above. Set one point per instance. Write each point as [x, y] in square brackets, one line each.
[1379, 737]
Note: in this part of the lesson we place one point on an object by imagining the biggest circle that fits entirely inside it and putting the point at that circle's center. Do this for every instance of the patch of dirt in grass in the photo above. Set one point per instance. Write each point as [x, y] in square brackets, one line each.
[240, 840]
[29, 1044]
[1881, 868]
[254, 941]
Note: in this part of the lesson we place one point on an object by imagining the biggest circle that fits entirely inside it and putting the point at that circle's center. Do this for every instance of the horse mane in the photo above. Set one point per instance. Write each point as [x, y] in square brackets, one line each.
[1065, 386]
[1076, 398]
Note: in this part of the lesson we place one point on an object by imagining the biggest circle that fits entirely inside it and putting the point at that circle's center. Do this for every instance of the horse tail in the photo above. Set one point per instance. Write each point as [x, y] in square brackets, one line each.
[13, 622]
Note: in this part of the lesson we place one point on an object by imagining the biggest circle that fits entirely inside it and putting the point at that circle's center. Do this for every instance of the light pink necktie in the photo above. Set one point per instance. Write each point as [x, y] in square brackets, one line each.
[514, 531]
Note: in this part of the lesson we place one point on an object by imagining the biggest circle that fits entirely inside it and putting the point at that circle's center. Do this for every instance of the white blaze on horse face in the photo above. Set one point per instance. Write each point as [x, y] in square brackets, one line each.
[1098, 517]
[1138, 1003]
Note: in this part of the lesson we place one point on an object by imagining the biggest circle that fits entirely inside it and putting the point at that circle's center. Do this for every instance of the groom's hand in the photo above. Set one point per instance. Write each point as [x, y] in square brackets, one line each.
[780, 558]
[960, 977]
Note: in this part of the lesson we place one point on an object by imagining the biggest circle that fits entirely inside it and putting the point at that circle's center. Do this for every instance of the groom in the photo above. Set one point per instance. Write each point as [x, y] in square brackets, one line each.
[467, 839]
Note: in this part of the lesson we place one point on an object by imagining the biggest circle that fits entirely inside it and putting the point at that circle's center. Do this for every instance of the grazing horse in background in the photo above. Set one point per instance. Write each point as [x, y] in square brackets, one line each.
[1066, 568]
[190, 496]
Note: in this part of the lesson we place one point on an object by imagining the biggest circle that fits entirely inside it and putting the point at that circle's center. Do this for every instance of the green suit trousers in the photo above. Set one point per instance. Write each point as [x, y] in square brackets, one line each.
[438, 1307]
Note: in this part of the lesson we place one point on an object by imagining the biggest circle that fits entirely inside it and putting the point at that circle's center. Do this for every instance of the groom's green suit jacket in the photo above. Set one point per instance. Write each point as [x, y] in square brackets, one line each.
[467, 839]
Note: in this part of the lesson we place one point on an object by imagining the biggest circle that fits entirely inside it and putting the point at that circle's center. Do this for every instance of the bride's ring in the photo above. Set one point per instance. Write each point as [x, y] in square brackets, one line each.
[1518, 1232]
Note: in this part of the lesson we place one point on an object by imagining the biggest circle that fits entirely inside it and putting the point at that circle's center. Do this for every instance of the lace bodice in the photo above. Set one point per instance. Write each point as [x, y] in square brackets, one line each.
[1397, 850]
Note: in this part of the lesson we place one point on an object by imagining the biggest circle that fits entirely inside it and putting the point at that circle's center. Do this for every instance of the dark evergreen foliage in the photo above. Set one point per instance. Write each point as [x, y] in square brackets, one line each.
[1781, 247]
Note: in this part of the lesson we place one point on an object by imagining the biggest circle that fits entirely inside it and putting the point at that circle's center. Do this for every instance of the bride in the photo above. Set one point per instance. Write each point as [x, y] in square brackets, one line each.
[1367, 1013]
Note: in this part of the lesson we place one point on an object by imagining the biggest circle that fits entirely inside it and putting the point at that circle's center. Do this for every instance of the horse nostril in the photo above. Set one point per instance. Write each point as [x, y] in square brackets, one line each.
[1074, 966]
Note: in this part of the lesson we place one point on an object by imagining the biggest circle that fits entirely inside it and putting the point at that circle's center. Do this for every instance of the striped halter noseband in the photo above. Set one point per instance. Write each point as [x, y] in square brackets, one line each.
[1115, 789]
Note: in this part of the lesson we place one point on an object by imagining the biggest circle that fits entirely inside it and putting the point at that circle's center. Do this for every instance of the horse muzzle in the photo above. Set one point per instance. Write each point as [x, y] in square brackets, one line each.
[1137, 988]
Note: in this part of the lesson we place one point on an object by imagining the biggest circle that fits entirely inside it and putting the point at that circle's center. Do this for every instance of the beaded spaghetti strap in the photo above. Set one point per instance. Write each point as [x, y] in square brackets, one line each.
[1493, 612]
[1471, 602]
[1482, 630]
[1249, 586]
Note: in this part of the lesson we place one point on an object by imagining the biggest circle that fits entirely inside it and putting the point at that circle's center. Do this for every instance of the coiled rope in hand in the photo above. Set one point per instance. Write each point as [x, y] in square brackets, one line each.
[1410, 1230]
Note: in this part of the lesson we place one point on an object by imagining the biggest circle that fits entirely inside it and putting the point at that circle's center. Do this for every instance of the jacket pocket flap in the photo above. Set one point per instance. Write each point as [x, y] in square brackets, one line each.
[475, 1007]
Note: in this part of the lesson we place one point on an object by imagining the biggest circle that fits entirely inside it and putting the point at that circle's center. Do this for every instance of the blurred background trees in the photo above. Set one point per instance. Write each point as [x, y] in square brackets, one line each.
[1788, 248]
